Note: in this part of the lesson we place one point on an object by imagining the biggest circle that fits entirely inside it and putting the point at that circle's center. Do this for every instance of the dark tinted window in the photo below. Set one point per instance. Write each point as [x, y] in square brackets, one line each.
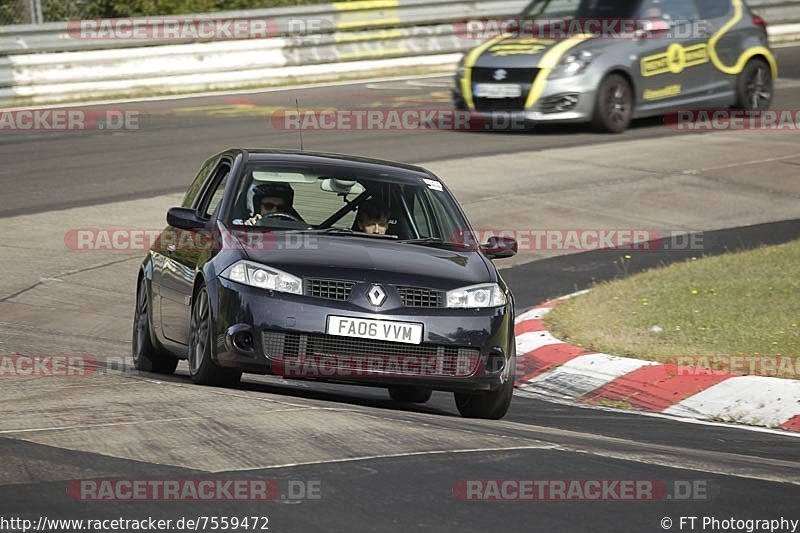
[582, 9]
[213, 197]
[671, 10]
[712, 9]
[199, 180]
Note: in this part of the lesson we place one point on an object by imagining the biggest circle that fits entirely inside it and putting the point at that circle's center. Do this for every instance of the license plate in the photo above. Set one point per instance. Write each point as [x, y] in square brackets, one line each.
[383, 330]
[497, 90]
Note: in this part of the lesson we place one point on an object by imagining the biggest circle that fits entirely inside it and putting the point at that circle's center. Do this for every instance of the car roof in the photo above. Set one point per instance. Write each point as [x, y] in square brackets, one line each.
[407, 172]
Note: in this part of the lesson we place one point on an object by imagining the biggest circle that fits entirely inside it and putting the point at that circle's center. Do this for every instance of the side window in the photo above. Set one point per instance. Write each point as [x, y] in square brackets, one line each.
[216, 189]
[680, 11]
[713, 9]
[553, 8]
[199, 180]
[676, 11]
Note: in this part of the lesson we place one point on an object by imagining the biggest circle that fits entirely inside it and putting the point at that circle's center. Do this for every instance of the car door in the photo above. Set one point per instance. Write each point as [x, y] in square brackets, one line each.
[182, 252]
[673, 62]
[162, 247]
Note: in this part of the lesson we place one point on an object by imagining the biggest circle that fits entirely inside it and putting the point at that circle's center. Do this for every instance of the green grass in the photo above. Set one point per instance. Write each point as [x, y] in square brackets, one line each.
[736, 304]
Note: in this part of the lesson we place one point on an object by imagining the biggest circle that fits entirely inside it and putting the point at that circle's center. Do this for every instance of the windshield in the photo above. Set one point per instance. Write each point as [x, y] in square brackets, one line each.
[297, 197]
[582, 9]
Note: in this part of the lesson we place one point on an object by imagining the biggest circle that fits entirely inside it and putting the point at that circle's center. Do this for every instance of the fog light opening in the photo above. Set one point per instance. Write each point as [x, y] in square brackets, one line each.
[566, 103]
[496, 361]
[243, 341]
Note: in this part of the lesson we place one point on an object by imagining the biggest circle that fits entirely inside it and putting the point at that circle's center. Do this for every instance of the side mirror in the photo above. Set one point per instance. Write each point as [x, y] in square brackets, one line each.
[185, 218]
[500, 247]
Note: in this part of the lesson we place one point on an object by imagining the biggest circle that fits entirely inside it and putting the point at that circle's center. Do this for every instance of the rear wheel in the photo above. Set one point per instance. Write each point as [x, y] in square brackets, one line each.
[490, 405]
[146, 356]
[202, 368]
[410, 394]
[754, 88]
[613, 110]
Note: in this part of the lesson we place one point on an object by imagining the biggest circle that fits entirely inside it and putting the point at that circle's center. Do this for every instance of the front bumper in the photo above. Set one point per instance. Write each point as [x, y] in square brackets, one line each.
[582, 87]
[461, 350]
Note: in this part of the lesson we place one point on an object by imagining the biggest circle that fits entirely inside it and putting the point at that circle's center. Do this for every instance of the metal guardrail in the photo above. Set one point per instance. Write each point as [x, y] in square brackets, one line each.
[45, 63]
[284, 22]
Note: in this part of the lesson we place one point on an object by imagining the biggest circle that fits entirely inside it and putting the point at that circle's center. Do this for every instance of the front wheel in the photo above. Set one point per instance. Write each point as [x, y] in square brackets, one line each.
[489, 405]
[613, 110]
[147, 356]
[202, 368]
[754, 88]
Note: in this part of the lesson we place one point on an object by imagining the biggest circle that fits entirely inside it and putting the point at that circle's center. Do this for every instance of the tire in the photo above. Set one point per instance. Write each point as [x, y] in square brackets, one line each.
[410, 394]
[146, 356]
[613, 110]
[488, 405]
[754, 87]
[202, 368]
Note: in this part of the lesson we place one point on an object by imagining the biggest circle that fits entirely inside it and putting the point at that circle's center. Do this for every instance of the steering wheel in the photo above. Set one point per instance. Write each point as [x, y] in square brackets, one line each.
[286, 216]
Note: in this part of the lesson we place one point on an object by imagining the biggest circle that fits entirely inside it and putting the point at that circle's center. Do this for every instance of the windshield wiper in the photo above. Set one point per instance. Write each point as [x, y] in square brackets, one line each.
[345, 231]
[435, 241]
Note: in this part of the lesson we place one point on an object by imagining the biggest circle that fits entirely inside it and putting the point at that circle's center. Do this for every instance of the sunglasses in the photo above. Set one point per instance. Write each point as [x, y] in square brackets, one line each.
[269, 206]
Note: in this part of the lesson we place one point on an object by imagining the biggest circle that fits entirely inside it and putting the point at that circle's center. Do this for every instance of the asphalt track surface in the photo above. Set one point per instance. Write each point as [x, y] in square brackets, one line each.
[385, 466]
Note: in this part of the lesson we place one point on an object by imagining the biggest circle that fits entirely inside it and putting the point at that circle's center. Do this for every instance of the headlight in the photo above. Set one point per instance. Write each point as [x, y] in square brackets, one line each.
[263, 277]
[573, 64]
[476, 296]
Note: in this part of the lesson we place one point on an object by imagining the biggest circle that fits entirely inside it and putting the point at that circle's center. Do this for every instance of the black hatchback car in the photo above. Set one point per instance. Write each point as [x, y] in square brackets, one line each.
[328, 267]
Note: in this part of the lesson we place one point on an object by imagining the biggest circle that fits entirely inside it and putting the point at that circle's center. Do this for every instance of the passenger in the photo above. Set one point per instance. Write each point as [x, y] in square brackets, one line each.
[373, 217]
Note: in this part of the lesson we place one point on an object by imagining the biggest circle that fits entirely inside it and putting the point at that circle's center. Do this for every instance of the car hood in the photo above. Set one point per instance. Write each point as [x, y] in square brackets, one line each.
[367, 259]
[514, 52]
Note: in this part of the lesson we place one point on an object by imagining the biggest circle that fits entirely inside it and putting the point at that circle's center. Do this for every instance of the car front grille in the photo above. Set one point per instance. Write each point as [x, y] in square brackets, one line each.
[329, 289]
[524, 77]
[513, 75]
[420, 297]
[319, 355]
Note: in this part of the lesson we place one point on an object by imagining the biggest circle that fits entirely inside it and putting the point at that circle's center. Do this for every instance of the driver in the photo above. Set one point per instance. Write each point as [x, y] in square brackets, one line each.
[270, 199]
[652, 10]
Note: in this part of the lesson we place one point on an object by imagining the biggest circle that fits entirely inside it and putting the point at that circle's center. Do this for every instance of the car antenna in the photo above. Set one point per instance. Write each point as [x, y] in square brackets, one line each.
[297, 105]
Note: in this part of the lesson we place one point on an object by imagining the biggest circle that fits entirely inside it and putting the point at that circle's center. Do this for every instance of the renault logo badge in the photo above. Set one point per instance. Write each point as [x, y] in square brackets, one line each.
[376, 295]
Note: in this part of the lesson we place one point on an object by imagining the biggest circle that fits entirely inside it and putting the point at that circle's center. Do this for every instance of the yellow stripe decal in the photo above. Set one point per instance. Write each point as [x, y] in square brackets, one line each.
[738, 14]
[548, 62]
[469, 62]
[358, 5]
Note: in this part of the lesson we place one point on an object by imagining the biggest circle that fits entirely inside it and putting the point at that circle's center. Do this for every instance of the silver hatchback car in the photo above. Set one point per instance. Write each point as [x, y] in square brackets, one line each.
[610, 61]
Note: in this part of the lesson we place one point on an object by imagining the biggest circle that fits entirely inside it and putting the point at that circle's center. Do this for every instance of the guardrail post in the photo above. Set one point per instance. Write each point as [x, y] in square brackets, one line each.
[37, 16]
